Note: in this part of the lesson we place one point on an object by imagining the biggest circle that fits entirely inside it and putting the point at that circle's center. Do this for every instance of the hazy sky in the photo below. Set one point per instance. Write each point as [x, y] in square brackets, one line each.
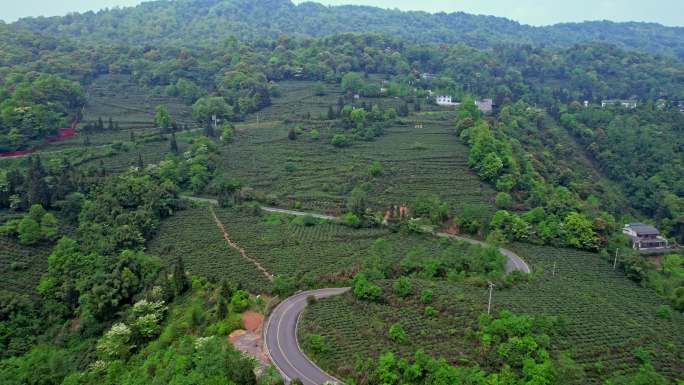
[536, 12]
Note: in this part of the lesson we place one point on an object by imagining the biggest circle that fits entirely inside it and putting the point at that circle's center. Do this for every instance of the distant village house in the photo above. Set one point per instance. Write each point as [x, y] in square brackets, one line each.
[484, 105]
[645, 237]
[630, 104]
[445, 100]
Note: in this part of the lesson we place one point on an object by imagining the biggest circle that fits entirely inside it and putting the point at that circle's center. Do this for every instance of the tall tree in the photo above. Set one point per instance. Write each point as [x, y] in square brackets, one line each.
[180, 279]
[162, 118]
[38, 190]
[174, 144]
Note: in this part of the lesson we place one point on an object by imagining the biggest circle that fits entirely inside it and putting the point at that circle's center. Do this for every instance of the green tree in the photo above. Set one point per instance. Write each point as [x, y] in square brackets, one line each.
[206, 107]
[49, 227]
[579, 232]
[29, 231]
[357, 200]
[227, 132]
[162, 118]
[180, 279]
[173, 145]
[352, 82]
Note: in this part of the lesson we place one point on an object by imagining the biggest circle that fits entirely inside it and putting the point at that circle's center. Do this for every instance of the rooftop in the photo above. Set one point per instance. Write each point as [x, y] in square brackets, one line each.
[643, 229]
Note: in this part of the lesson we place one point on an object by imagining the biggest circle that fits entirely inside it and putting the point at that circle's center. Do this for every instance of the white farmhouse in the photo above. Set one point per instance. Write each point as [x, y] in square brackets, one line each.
[445, 100]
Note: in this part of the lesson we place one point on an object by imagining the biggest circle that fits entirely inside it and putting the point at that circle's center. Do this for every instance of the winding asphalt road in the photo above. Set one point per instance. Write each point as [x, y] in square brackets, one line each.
[513, 261]
[299, 213]
[280, 336]
[280, 333]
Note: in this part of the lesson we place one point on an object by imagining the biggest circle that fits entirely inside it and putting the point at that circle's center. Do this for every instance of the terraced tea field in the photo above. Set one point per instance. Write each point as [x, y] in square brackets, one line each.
[21, 266]
[193, 235]
[608, 319]
[319, 176]
[323, 252]
[118, 97]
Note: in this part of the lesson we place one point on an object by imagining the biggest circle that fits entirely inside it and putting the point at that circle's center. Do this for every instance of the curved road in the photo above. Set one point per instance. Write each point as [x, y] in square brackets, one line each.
[280, 336]
[299, 213]
[513, 262]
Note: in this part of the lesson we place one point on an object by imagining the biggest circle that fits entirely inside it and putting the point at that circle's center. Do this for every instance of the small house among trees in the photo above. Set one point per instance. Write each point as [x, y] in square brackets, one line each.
[485, 105]
[629, 104]
[645, 237]
[445, 100]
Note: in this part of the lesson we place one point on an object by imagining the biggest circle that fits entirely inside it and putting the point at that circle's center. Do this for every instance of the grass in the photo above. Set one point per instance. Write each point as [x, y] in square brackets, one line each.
[607, 318]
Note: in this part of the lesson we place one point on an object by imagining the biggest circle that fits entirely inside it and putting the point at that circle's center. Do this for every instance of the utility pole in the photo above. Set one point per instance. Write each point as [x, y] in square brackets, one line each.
[489, 306]
[554, 268]
[615, 260]
[215, 121]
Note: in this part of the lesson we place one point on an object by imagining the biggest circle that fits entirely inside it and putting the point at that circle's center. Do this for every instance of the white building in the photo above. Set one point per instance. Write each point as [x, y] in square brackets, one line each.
[645, 237]
[445, 100]
[485, 105]
[629, 104]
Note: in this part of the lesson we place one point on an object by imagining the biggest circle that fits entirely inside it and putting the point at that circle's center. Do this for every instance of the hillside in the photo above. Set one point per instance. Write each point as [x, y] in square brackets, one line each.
[232, 162]
[207, 21]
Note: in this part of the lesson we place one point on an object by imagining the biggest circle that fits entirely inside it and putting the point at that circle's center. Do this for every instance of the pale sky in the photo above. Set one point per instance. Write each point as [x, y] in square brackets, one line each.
[535, 12]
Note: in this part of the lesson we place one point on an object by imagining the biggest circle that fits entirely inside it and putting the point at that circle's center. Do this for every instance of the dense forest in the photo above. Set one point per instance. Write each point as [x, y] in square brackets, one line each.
[197, 21]
[210, 95]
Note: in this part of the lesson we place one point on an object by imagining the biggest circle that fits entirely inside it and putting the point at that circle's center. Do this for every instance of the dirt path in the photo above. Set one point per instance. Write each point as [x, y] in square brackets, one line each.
[234, 245]
[250, 341]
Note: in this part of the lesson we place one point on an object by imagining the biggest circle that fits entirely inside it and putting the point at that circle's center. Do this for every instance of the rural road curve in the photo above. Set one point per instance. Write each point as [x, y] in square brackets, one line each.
[270, 209]
[299, 213]
[513, 261]
[280, 336]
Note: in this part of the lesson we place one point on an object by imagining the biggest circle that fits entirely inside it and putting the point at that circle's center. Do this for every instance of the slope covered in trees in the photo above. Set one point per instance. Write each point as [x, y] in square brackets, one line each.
[211, 20]
[255, 103]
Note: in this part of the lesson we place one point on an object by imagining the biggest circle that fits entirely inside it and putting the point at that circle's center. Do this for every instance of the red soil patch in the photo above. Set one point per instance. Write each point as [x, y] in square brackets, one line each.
[252, 321]
[450, 227]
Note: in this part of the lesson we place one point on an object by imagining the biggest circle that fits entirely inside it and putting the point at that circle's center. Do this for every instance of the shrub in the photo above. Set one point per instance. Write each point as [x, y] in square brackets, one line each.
[284, 286]
[340, 140]
[305, 220]
[364, 290]
[403, 287]
[29, 231]
[426, 296]
[375, 169]
[664, 311]
[397, 334]
[115, 343]
[49, 227]
[315, 135]
[503, 200]
[318, 344]
[430, 311]
[351, 220]
[240, 301]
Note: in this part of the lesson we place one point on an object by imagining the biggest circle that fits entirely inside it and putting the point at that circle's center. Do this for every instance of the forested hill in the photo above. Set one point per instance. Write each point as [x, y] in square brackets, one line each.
[205, 21]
